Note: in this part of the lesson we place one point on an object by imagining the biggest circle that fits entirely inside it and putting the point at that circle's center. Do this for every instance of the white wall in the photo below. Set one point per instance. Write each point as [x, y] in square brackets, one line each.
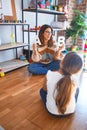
[6, 31]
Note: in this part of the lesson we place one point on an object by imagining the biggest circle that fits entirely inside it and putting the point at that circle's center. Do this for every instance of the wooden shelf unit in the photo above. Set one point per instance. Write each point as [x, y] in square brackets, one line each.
[15, 63]
[46, 11]
[10, 65]
[40, 10]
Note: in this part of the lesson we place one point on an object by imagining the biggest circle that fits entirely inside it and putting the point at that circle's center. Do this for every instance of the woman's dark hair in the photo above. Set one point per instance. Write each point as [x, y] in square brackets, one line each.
[41, 32]
[71, 64]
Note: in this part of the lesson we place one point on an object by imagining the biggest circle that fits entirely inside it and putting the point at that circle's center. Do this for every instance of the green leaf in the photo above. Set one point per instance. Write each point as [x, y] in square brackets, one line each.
[78, 26]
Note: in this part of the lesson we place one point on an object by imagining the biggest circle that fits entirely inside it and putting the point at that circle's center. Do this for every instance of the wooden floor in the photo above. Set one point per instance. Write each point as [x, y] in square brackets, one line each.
[21, 107]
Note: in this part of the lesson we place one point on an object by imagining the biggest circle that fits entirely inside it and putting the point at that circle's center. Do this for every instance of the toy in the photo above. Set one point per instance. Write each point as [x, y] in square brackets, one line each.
[12, 39]
[37, 40]
[35, 28]
[33, 3]
[85, 57]
[48, 4]
[61, 41]
[22, 57]
[2, 74]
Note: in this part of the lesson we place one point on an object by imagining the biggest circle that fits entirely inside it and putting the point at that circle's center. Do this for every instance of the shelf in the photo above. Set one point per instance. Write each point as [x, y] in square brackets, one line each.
[12, 65]
[9, 46]
[46, 11]
[16, 63]
[4, 23]
[58, 29]
[54, 29]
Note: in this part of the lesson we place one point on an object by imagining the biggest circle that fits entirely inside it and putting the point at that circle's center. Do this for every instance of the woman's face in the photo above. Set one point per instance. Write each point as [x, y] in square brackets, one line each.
[47, 34]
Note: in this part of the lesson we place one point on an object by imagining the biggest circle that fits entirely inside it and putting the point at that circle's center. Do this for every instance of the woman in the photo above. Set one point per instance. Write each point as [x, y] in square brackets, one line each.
[61, 87]
[47, 55]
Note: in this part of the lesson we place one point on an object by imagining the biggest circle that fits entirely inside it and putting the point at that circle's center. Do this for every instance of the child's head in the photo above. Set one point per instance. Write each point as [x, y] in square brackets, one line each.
[71, 64]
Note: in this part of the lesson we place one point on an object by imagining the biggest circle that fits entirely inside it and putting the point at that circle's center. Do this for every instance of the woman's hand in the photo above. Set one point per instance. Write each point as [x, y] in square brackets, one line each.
[35, 48]
[58, 55]
[61, 47]
[36, 57]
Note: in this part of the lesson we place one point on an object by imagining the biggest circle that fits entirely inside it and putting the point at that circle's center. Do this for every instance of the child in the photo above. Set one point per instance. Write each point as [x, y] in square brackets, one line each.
[59, 93]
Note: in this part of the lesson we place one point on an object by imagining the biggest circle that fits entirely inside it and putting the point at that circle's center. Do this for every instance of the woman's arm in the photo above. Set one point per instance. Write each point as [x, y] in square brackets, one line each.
[36, 56]
[58, 55]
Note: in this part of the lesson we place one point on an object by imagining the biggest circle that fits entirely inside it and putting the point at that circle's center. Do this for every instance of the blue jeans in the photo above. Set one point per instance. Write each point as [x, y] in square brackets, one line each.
[40, 68]
[43, 95]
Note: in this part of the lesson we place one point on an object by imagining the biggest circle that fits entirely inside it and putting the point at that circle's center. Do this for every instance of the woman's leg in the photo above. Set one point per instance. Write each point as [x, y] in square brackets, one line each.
[54, 65]
[37, 68]
[43, 95]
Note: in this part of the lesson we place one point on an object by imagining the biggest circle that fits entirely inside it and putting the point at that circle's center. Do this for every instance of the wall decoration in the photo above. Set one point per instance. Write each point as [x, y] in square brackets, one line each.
[85, 56]
[0, 4]
[14, 16]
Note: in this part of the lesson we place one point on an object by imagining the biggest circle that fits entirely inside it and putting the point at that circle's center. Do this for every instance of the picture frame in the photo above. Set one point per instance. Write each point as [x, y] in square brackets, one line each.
[0, 4]
[14, 15]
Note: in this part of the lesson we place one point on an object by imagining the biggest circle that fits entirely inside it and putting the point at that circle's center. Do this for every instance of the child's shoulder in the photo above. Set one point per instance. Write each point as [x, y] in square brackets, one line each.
[53, 76]
[53, 73]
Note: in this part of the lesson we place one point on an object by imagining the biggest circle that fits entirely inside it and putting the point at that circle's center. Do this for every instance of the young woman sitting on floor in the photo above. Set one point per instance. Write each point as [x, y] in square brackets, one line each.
[46, 56]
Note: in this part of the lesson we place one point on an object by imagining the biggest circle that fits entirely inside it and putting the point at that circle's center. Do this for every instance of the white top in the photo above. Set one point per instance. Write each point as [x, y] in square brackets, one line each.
[52, 79]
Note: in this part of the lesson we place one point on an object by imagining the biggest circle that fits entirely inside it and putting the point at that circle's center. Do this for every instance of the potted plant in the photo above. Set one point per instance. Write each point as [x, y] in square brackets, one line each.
[78, 27]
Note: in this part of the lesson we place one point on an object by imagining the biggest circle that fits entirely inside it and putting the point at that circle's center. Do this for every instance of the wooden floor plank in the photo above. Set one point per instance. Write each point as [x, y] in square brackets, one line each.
[21, 107]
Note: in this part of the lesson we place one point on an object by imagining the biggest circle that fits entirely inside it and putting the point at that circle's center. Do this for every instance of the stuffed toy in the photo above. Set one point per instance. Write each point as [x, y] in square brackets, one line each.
[33, 3]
